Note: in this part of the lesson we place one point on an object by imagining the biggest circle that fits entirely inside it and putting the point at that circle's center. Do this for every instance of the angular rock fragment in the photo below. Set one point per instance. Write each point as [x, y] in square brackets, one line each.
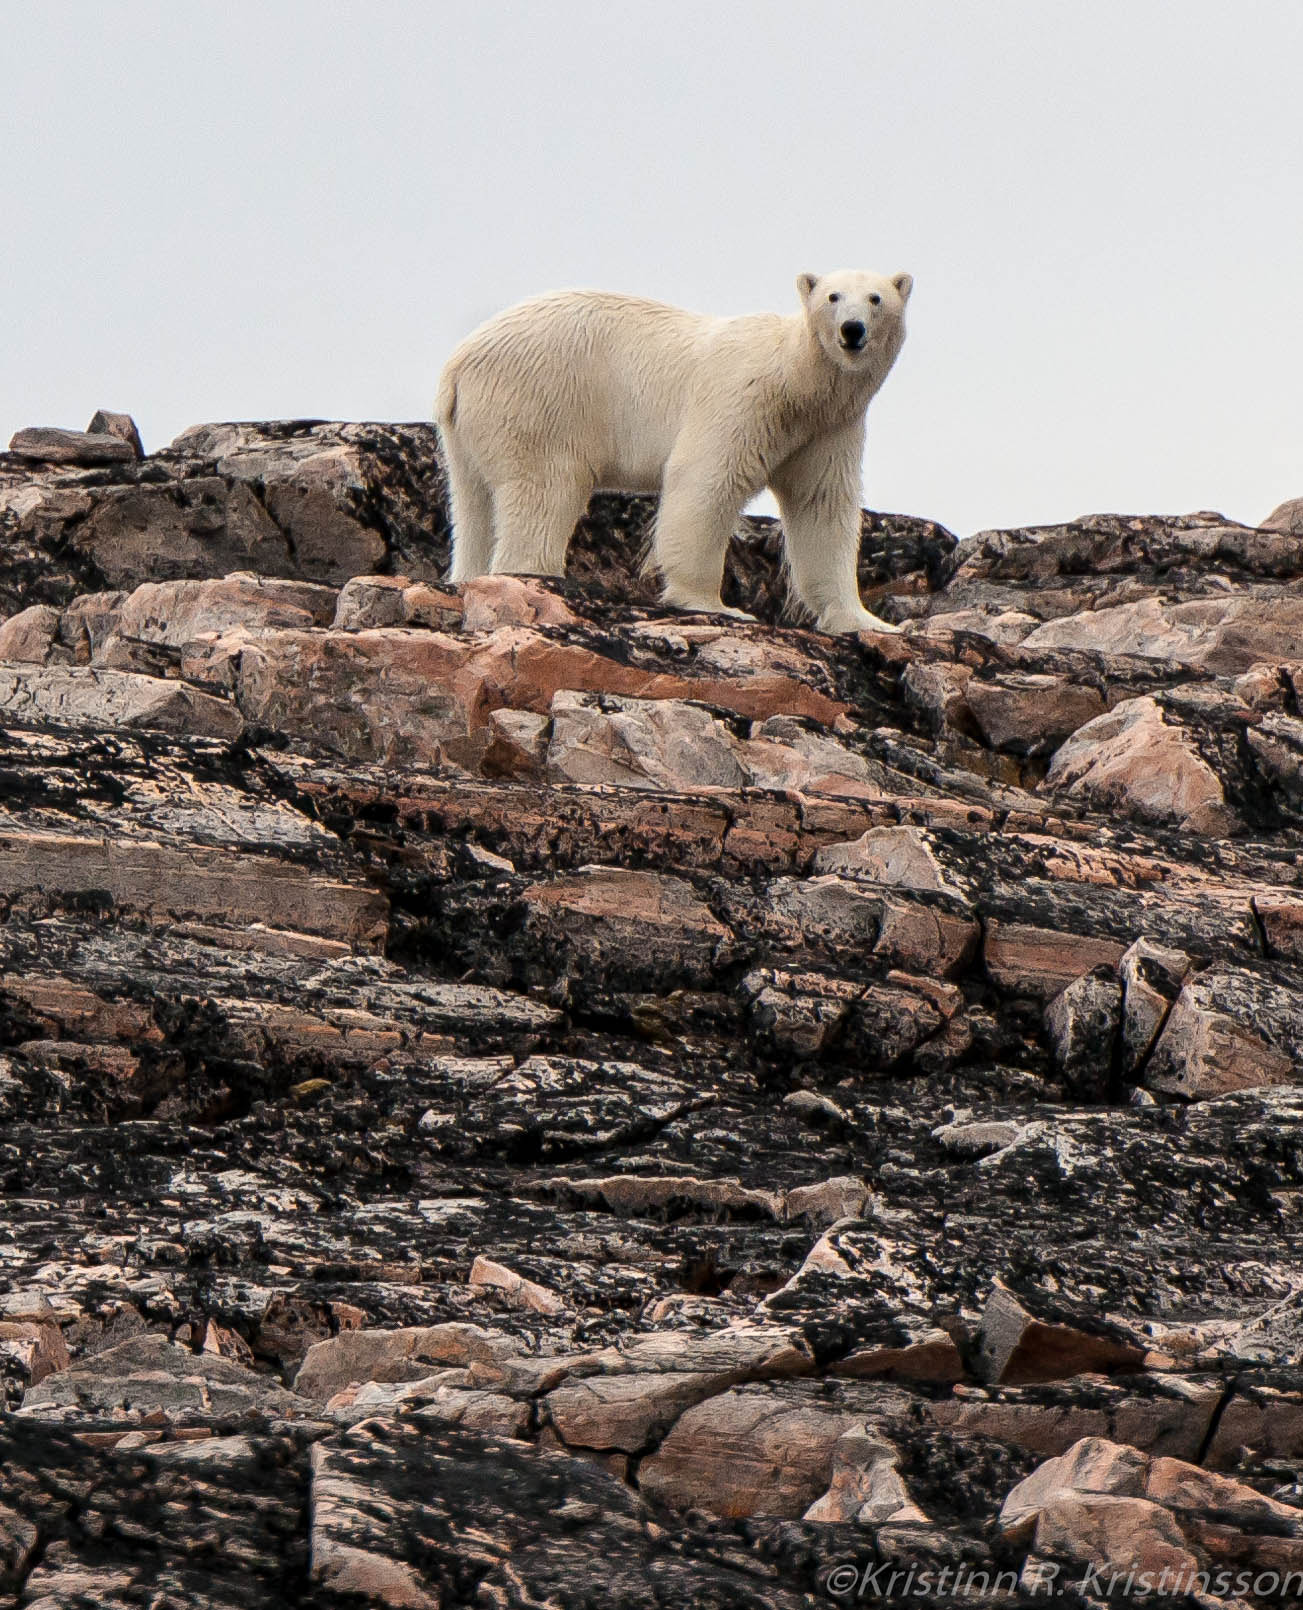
[1083, 1023]
[1027, 713]
[640, 743]
[1210, 1044]
[1015, 1346]
[393, 1355]
[1093, 1465]
[104, 422]
[753, 1451]
[866, 1485]
[1152, 976]
[488, 1275]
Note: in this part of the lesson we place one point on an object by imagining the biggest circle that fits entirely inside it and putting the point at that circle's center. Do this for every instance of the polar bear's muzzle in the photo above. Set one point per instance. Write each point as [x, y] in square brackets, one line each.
[853, 335]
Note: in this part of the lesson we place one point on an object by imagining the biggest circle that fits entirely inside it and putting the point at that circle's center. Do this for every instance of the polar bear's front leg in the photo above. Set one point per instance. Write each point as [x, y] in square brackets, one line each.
[534, 518]
[818, 492]
[698, 514]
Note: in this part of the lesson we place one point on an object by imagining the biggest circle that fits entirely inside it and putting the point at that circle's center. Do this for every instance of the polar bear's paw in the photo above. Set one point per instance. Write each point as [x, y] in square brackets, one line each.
[838, 618]
[705, 606]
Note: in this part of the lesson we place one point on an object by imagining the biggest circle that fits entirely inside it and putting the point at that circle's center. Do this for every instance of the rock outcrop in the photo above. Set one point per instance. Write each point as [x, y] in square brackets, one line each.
[517, 1097]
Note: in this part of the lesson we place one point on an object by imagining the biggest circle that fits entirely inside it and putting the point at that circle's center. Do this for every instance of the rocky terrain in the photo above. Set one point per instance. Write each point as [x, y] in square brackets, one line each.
[523, 1099]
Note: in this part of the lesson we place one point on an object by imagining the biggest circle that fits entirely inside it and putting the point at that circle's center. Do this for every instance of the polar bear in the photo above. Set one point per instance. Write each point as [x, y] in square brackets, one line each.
[582, 390]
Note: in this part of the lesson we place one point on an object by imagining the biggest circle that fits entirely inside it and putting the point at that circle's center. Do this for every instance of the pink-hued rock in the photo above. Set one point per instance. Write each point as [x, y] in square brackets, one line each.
[1151, 977]
[1016, 1347]
[751, 1451]
[492, 601]
[35, 1349]
[1027, 711]
[1191, 1491]
[393, 1355]
[1132, 761]
[352, 1551]
[866, 1485]
[436, 607]
[1040, 962]
[1114, 1535]
[105, 423]
[602, 910]
[625, 1412]
[641, 743]
[900, 856]
[174, 612]
[487, 1275]
[1225, 635]
[368, 601]
[413, 697]
[517, 743]
[1093, 1465]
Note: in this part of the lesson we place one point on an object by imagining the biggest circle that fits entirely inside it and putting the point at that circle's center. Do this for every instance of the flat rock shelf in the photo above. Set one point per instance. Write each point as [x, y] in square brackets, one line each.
[519, 1098]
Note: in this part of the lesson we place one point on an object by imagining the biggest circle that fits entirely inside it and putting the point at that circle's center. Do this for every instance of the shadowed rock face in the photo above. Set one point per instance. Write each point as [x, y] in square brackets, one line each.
[518, 1097]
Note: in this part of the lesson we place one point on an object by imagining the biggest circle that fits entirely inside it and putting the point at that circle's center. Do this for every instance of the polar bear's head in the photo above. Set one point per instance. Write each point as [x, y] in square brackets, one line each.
[857, 318]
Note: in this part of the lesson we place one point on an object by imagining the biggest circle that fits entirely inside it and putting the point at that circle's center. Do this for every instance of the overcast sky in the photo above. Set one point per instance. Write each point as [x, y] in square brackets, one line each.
[273, 209]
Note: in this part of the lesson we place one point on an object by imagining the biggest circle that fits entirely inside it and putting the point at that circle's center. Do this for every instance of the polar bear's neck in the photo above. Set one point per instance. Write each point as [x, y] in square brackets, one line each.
[837, 395]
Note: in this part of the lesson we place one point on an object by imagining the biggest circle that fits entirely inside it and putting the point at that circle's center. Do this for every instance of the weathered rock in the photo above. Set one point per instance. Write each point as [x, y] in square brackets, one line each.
[866, 1485]
[641, 743]
[1027, 713]
[370, 601]
[1211, 1044]
[751, 1451]
[492, 601]
[1286, 517]
[1132, 761]
[50, 445]
[1151, 979]
[1016, 1346]
[1116, 1536]
[72, 696]
[392, 1355]
[121, 425]
[515, 1289]
[137, 1379]
[30, 635]
[1083, 1023]
[1093, 1465]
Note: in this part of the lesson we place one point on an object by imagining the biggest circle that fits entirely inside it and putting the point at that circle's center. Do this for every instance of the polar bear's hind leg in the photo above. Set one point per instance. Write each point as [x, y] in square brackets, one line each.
[471, 508]
[534, 519]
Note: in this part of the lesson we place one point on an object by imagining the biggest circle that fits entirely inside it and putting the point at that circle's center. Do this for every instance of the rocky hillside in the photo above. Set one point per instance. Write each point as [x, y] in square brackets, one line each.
[519, 1099]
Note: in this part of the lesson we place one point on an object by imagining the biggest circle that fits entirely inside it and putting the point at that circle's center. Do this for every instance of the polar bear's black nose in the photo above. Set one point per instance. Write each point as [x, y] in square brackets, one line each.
[853, 333]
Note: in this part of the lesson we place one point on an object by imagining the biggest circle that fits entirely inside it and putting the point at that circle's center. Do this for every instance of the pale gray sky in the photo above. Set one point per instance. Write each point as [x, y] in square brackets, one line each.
[282, 209]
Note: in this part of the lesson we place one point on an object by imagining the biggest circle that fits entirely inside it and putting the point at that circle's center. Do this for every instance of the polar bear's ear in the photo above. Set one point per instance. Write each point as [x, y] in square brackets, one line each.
[805, 283]
[904, 283]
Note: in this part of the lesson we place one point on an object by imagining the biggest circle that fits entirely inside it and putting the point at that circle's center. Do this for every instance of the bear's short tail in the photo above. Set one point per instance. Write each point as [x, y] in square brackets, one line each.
[445, 402]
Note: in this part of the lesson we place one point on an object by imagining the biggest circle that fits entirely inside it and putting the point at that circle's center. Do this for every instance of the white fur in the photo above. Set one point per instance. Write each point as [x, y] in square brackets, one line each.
[579, 390]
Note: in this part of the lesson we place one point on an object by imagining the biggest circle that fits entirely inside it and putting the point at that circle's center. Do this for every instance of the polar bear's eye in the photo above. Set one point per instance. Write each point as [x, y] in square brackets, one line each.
[834, 296]
[875, 298]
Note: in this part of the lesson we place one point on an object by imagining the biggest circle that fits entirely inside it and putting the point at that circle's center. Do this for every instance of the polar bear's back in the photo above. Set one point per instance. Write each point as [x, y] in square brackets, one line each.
[609, 374]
